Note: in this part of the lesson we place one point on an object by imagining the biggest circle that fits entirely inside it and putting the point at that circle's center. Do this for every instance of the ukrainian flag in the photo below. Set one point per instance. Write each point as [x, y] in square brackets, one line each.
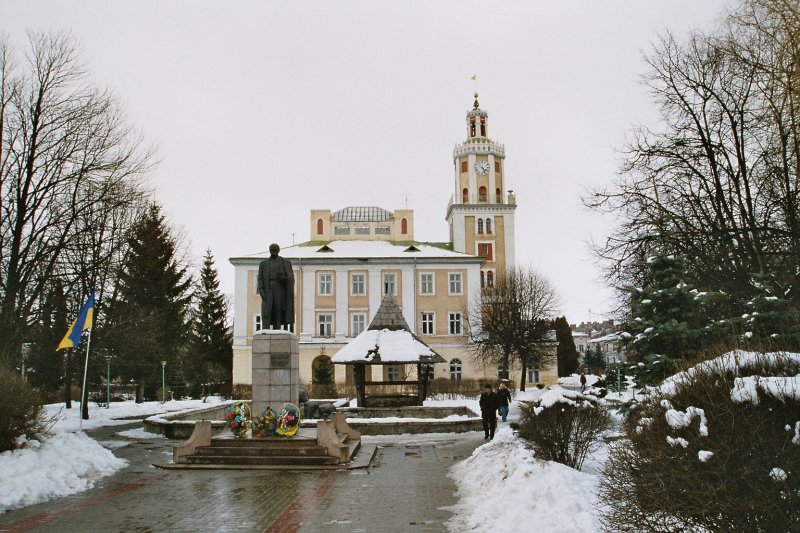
[81, 324]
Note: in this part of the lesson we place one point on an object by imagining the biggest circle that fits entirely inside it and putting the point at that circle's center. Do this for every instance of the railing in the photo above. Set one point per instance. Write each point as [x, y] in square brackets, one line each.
[489, 199]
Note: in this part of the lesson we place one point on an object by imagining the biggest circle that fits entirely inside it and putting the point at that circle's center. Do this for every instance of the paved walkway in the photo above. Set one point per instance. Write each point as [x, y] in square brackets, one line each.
[404, 490]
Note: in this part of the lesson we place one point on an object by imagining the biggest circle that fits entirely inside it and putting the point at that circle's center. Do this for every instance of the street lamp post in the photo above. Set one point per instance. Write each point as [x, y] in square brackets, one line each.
[163, 382]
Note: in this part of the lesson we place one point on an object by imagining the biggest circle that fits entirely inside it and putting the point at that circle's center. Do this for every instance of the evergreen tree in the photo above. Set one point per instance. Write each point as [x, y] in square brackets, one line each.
[566, 354]
[46, 369]
[667, 314]
[771, 320]
[594, 359]
[210, 349]
[148, 316]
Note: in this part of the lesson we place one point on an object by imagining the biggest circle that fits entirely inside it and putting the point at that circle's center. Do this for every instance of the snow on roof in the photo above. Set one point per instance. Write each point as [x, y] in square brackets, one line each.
[358, 249]
[362, 214]
[383, 346]
[611, 337]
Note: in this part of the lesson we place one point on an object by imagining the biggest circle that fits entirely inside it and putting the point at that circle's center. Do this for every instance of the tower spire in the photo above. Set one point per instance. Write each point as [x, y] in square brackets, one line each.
[475, 90]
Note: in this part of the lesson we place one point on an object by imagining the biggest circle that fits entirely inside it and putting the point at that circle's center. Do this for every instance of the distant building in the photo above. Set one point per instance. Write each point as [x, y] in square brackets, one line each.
[355, 255]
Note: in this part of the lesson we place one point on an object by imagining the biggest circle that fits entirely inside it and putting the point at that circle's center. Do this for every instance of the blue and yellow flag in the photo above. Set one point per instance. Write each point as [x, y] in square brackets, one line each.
[81, 324]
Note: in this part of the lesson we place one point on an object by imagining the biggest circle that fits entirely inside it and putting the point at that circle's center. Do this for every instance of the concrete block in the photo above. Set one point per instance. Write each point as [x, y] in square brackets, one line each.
[262, 343]
[281, 345]
[280, 377]
[262, 378]
[261, 361]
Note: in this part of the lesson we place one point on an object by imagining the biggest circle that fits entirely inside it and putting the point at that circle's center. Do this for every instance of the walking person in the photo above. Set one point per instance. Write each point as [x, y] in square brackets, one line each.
[489, 403]
[583, 382]
[504, 395]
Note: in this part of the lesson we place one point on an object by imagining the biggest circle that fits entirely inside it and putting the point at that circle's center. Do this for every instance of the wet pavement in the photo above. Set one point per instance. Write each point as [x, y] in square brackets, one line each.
[405, 489]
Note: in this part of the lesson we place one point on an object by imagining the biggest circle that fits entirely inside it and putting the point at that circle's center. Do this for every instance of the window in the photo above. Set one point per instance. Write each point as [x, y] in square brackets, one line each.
[483, 127]
[359, 322]
[325, 284]
[482, 194]
[362, 230]
[404, 226]
[499, 196]
[490, 278]
[428, 324]
[497, 166]
[325, 325]
[383, 230]
[488, 226]
[483, 279]
[480, 226]
[358, 284]
[341, 230]
[580, 348]
[472, 127]
[426, 283]
[393, 373]
[455, 283]
[465, 196]
[256, 323]
[320, 226]
[455, 323]
[455, 369]
[464, 166]
[500, 373]
[485, 250]
[533, 375]
[389, 283]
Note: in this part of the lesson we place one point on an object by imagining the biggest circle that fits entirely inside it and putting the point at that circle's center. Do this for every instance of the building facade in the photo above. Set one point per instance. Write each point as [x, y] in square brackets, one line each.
[355, 255]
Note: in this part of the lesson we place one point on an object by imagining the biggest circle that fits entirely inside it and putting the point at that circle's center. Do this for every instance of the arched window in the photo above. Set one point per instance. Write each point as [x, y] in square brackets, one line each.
[465, 196]
[455, 369]
[404, 226]
[499, 196]
[482, 194]
[480, 226]
[489, 226]
[483, 279]
[483, 127]
[472, 127]
[490, 279]
[320, 225]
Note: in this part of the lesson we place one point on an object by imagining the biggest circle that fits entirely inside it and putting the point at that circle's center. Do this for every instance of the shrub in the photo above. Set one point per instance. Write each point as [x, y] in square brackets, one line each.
[20, 410]
[710, 449]
[563, 425]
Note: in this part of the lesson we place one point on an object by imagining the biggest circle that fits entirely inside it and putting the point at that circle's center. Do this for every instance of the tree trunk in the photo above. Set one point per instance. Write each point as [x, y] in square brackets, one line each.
[524, 373]
[139, 392]
[85, 404]
[68, 379]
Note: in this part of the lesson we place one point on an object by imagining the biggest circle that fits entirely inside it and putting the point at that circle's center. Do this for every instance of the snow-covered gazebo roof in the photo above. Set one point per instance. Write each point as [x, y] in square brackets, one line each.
[388, 340]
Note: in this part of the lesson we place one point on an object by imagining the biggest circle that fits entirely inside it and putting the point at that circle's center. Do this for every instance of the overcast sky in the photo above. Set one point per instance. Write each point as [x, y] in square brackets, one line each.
[264, 110]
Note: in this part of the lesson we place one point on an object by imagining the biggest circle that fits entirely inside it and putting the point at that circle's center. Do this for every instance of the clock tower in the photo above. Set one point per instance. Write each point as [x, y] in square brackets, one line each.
[481, 212]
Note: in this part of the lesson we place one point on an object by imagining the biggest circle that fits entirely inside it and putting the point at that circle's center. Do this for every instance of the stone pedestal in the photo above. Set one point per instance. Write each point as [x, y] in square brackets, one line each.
[276, 370]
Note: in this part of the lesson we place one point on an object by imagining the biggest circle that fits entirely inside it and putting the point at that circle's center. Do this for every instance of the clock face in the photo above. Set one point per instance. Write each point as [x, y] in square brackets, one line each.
[482, 167]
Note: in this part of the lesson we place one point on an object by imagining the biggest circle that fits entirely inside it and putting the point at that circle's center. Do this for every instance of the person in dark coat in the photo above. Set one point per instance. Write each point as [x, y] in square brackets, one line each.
[504, 395]
[489, 403]
[583, 382]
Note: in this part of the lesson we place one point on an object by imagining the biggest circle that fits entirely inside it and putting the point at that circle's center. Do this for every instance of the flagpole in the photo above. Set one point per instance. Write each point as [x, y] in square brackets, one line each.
[83, 388]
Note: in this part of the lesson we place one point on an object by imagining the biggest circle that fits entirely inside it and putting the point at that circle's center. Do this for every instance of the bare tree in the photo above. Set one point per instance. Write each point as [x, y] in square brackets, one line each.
[68, 160]
[506, 324]
[718, 181]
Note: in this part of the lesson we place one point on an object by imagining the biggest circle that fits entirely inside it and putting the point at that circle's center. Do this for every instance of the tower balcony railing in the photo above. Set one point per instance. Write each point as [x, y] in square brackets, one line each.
[483, 199]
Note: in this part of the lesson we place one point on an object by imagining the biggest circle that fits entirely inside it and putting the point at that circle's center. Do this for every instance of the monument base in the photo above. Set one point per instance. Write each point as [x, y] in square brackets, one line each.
[276, 370]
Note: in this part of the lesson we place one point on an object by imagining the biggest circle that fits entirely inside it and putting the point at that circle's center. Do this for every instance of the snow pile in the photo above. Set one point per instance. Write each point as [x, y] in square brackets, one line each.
[575, 380]
[63, 464]
[561, 395]
[502, 487]
[779, 387]
[728, 362]
[140, 433]
[681, 419]
[385, 345]
[704, 455]
[778, 474]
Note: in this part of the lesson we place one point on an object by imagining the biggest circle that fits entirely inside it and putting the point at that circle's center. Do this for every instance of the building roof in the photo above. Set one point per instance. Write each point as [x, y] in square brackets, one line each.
[388, 340]
[362, 214]
[357, 249]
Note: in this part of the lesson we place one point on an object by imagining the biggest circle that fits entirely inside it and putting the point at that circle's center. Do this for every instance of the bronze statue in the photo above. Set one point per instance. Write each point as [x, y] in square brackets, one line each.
[275, 284]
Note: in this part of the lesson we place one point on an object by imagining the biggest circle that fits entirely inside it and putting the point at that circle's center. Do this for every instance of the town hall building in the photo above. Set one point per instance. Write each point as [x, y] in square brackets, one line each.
[355, 255]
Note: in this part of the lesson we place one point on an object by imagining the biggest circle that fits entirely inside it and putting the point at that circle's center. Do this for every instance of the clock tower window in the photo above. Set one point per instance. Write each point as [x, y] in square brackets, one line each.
[482, 194]
[404, 226]
[483, 126]
[480, 226]
[499, 194]
[320, 226]
[472, 127]
[465, 196]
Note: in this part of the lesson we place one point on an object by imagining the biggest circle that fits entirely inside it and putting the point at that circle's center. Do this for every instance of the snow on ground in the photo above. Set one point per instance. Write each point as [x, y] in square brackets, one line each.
[575, 380]
[502, 486]
[68, 419]
[139, 433]
[59, 465]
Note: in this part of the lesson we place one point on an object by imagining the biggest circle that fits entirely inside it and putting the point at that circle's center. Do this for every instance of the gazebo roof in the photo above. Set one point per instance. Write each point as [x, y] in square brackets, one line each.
[388, 340]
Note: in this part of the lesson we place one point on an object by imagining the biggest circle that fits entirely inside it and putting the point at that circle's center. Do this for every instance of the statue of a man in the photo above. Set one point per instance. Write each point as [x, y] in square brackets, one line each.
[275, 284]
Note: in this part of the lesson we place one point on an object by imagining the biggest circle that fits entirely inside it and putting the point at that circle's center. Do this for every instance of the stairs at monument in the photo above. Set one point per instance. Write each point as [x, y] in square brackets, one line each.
[269, 451]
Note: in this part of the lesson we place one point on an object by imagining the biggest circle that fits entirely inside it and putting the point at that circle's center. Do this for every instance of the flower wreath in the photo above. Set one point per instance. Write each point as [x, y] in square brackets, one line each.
[289, 421]
[266, 424]
[237, 416]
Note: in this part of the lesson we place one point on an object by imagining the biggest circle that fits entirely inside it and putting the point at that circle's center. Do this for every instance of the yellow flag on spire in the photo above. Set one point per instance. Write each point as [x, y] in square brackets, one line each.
[474, 78]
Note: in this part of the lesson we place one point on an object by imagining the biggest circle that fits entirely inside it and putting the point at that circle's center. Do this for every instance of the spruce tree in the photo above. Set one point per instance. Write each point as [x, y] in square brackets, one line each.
[210, 349]
[594, 359]
[149, 315]
[566, 354]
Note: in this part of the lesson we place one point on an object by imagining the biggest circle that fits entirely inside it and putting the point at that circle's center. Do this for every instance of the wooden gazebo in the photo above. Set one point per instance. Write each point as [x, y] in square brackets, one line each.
[388, 341]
